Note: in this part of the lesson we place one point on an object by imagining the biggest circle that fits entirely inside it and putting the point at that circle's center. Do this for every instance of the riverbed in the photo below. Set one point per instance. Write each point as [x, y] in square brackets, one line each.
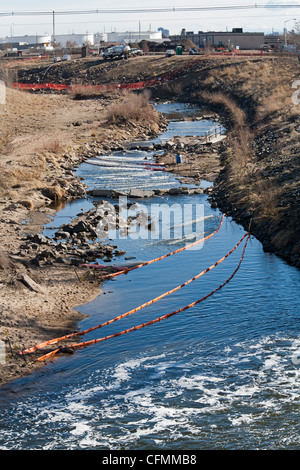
[223, 374]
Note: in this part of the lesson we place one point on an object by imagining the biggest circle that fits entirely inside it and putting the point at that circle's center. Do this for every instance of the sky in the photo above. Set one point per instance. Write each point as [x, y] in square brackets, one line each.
[260, 20]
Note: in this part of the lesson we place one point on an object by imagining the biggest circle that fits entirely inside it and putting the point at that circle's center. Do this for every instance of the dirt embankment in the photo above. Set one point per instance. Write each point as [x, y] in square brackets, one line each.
[96, 71]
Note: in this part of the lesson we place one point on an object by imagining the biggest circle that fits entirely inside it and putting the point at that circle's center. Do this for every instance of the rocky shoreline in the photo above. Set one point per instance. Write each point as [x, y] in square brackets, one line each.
[41, 285]
[39, 265]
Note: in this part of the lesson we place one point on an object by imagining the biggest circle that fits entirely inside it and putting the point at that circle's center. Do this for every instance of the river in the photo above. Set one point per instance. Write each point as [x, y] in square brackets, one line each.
[223, 374]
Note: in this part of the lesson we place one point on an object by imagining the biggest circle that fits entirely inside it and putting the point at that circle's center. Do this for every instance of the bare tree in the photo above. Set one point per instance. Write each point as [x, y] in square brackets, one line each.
[71, 44]
[296, 35]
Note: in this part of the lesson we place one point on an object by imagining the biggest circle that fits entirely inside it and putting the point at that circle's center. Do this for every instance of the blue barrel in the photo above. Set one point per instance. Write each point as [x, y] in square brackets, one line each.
[178, 159]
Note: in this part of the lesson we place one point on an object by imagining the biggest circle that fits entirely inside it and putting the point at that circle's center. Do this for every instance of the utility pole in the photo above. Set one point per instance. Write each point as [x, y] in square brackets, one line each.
[53, 19]
[53, 25]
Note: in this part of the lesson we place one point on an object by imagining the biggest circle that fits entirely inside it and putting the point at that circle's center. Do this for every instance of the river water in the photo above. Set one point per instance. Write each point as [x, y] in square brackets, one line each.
[223, 374]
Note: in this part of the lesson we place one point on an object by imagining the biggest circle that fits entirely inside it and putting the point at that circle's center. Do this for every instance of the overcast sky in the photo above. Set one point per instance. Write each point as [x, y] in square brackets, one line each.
[250, 19]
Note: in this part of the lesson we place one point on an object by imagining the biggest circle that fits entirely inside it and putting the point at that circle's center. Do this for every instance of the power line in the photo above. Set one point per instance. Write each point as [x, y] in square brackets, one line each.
[149, 10]
[130, 21]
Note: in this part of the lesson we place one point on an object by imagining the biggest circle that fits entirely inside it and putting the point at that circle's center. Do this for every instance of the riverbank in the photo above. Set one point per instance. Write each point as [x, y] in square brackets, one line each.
[43, 138]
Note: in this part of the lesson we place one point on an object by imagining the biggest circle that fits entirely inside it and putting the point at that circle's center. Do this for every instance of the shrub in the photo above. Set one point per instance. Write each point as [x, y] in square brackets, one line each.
[133, 107]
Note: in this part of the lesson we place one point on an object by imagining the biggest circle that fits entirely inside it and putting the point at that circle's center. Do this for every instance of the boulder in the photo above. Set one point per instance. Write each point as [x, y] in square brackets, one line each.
[138, 193]
[32, 285]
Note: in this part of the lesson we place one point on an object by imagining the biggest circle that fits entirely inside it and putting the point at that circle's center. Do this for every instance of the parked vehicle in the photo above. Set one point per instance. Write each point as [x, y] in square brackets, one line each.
[170, 52]
[117, 52]
[66, 57]
[57, 59]
[193, 51]
[135, 52]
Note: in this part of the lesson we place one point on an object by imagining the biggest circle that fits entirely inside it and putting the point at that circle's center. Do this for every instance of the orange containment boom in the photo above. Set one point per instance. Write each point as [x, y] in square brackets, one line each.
[53, 341]
[151, 322]
[150, 302]
[146, 263]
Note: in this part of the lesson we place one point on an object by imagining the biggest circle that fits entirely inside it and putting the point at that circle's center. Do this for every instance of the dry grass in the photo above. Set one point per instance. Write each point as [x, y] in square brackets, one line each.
[5, 141]
[261, 160]
[51, 145]
[220, 99]
[240, 153]
[11, 180]
[265, 196]
[79, 92]
[55, 193]
[133, 107]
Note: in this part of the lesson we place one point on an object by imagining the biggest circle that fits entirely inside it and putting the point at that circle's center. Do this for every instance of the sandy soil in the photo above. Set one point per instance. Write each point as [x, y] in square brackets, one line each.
[38, 141]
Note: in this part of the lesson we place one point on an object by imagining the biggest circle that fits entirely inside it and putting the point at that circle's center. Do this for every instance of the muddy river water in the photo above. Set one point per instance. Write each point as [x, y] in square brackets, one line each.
[223, 374]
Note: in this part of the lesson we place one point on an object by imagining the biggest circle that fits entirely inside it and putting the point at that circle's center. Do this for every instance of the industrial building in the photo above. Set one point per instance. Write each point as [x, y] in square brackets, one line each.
[33, 40]
[236, 39]
[46, 40]
[74, 39]
[128, 37]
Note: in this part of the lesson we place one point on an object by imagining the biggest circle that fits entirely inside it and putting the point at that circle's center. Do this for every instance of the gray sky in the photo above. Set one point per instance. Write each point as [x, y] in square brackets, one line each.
[250, 20]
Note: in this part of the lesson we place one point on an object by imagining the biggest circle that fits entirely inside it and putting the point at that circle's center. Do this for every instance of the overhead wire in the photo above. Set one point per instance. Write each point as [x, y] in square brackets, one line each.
[149, 10]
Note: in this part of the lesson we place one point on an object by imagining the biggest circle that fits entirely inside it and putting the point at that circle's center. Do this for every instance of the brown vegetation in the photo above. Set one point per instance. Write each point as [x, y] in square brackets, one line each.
[132, 107]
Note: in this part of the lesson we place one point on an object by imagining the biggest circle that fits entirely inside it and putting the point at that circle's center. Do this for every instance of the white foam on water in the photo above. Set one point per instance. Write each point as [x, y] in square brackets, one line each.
[158, 395]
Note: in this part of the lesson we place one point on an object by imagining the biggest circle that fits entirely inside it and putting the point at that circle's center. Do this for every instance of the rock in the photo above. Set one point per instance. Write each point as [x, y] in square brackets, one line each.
[120, 252]
[62, 234]
[61, 246]
[93, 234]
[80, 227]
[62, 260]
[101, 192]
[12, 207]
[198, 191]
[32, 285]
[175, 191]
[170, 144]
[138, 193]
[45, 254]
[40, 239]
[160, 192]
[35, 262]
